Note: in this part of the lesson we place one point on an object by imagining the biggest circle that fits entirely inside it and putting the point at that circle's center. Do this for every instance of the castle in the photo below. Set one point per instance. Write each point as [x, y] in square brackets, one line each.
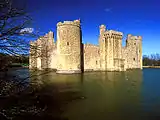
[69, 55]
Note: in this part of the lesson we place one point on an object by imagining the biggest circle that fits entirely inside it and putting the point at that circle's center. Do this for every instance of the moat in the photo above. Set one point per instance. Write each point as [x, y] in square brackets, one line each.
[130, 95]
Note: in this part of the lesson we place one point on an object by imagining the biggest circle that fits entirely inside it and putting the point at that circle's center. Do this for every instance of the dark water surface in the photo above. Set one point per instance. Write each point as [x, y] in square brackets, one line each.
[131, 95]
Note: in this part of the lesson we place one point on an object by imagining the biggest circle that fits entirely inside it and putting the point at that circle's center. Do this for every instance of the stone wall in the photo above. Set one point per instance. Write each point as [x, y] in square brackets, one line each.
[69, 46]
[91, 57]
[53, 57]
[69, 55]
[124, 56]
[42, 53]
[110, 49]
[32, 57]
[102, 48]
[51, 54]
[133, 48]
[39, 54]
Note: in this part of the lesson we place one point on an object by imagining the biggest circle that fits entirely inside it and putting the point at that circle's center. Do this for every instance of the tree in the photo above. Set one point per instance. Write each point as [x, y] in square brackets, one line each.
[152, 60]
[14, 34]
[14, 40]
[18, 98]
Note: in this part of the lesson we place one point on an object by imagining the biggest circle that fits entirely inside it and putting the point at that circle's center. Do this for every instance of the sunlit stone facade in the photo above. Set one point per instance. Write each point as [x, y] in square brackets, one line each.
[69, 55]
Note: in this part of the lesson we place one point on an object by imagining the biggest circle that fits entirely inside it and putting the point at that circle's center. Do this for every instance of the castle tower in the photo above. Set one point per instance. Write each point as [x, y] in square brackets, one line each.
[134, 49]
[49, 49]
[39, 54]
[102, 47]
[109, 50]
[102, 29]
[44, 51]
[69, 47]
[106, 49]
[52, 58]
[32, 57]
[117, 50]
[139, 52]
[117, 44]
[50, 38]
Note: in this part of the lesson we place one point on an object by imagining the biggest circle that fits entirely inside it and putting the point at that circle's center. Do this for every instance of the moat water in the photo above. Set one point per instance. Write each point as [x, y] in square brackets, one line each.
[131, 95]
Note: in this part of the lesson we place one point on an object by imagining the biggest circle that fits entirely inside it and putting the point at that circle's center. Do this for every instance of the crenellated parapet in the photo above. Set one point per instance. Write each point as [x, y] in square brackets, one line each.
[133, 40]
[69, 47]
[69, 55]
[113, 34]
[74, 23]
[131, 37]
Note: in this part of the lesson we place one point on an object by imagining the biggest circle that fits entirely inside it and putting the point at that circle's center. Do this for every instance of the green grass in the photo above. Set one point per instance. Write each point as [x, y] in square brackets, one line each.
[19, 64]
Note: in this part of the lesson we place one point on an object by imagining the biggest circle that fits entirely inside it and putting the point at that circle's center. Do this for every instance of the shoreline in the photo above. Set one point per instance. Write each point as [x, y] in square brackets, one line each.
[151, 66]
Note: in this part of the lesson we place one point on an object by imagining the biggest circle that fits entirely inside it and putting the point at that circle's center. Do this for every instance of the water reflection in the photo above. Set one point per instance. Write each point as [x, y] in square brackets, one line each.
[97, 95]
[132, 95]
[113, 95]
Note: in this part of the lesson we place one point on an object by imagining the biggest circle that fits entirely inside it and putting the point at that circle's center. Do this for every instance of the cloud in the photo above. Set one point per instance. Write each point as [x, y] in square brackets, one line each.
[107, 10]
[26, 30]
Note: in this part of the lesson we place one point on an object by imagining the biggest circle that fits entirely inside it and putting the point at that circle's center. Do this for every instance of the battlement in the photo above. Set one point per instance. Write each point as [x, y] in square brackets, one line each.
[43, 40]
[113, 32]
[69, 55]
[102, 26]
[74, 23]
[130, 36]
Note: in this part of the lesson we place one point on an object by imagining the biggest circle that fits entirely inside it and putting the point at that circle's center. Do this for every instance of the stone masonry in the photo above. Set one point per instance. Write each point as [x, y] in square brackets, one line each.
[69, 55]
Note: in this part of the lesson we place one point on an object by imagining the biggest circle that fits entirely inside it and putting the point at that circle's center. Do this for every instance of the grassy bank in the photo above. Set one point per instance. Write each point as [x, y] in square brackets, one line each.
[151, 66]
[19, 65]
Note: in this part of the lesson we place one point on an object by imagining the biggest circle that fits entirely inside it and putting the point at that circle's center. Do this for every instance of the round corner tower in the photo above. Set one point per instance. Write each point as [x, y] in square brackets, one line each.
[102, 29]
[69, 47]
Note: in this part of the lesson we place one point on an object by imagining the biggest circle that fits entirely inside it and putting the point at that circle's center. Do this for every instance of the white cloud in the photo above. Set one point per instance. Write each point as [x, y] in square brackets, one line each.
[27, 30]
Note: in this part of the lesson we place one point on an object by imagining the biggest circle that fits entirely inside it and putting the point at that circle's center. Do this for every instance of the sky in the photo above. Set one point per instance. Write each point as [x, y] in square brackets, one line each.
[137, 17]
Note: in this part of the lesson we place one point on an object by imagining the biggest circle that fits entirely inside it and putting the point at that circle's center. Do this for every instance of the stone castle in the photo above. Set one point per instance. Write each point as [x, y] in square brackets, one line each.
[69, 55]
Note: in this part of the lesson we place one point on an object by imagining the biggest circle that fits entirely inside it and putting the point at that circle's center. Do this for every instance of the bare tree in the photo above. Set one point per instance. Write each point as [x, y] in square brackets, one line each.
[14, 40]
[151, 60]
[14, 34]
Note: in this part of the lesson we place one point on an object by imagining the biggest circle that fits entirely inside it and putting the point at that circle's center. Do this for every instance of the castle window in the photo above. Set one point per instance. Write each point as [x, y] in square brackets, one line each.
[67, 43]
[96, 62]
[134, 59]
[134, 43]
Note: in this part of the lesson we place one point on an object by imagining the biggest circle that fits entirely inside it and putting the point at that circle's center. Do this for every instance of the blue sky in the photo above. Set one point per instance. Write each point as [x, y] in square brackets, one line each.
[138, 17]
